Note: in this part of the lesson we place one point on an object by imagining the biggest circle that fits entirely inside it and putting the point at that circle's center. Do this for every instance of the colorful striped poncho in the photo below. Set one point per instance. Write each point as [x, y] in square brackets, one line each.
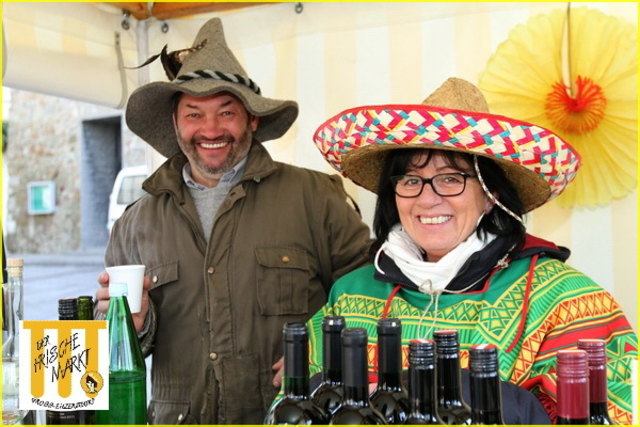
[563, 306]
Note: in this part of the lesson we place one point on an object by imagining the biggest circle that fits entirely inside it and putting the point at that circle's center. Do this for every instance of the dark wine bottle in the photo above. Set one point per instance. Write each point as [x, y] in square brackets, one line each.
[68, 310]
[328, 394]
[296, 407]
[485, 398]
[573, 387]
[598, 401]
[85, 312]
[127, 370]
[390, 397]
[355, 408]
[451, 407]
[423, 394]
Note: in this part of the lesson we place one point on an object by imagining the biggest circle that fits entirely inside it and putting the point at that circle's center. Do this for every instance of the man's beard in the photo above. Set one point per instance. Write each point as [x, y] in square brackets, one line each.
[237, 151]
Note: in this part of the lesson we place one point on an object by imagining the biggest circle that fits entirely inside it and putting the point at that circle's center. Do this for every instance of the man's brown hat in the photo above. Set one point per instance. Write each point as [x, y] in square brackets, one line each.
[209, 68]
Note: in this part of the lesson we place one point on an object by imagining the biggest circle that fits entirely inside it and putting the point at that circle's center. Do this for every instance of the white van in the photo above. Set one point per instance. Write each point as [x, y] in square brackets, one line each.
[127, 188]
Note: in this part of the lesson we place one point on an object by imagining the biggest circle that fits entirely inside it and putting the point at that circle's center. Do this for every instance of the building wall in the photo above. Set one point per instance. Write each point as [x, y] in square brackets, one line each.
[45, 143]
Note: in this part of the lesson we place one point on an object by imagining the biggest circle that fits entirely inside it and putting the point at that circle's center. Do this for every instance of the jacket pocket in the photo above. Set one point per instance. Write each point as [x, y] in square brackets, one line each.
[282, 281]
[161, 274]
[169, 412]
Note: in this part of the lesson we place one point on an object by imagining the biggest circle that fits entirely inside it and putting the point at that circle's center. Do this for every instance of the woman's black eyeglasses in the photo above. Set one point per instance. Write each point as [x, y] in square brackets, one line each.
[444, 184]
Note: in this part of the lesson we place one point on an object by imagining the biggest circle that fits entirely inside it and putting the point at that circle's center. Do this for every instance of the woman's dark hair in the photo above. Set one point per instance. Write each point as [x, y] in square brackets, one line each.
[497, 221]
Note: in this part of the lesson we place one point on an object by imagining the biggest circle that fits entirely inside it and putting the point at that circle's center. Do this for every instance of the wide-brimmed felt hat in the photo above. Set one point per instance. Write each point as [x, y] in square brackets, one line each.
[455, 117]
[209, 68]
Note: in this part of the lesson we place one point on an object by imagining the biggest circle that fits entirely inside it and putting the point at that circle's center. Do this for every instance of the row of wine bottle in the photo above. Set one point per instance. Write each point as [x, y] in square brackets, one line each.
[127, 369]
[434, 394]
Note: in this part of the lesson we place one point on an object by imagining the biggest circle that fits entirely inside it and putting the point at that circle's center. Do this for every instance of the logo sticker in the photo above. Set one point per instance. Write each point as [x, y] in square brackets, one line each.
[64, 365]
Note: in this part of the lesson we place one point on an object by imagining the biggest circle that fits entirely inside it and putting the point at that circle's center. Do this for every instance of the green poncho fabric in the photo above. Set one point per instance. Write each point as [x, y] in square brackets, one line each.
[563, 306]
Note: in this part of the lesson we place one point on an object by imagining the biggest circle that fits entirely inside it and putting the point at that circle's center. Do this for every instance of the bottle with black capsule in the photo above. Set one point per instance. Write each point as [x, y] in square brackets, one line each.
[68, 310]
[390, 397]
[296, 407]
[451, 406]
[572, 387]
[484, 381]
[423, 395]
[355, 408]
[328, 394]
[85, 312]
[598, 400]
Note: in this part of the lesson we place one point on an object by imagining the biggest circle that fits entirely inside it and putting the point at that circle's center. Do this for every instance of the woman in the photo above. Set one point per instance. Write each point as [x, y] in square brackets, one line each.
[453, 184]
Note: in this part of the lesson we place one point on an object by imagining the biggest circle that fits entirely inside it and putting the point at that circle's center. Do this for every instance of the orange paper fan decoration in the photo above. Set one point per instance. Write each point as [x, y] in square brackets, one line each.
[574, 72]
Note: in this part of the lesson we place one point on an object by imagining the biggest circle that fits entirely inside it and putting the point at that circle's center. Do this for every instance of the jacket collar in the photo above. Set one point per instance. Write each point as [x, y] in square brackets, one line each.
[480, 264]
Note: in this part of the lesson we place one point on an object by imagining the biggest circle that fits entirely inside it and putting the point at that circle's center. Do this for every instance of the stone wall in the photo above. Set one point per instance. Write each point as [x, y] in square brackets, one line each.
[45, 144]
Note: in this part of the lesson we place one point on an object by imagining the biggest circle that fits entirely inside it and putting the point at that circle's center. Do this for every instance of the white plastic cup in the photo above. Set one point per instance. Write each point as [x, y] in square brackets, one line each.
[133, 276]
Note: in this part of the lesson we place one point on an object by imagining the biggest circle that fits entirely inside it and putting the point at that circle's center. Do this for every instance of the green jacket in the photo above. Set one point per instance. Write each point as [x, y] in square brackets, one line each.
[280, 239]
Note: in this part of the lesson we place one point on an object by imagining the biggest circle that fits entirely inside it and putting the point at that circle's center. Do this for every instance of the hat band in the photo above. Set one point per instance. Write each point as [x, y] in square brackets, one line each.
[218, 75]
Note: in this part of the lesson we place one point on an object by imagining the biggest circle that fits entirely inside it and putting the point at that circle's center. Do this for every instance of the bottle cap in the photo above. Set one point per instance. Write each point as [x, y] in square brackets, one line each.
[572, 364]
[333, 323]
[596, 350]
[295, 331]
[118, 289]
[15, 262]
[67, 307]
[446, 341]
[353, 337]
[483, 358]
[421, 352]
[389, 326]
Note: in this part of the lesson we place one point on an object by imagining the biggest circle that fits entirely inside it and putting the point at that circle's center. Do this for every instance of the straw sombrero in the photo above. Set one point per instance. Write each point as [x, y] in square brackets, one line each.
[209, 69]
[455, 117]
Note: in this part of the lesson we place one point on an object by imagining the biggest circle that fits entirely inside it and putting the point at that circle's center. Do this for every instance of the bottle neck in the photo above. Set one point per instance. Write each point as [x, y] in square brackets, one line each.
[573, 398]
[422, 390]
[598, 384]
[486, 401]
[125, 353]
[296, 369]
[598, 399]
[389, 362]
[449, 381]
[12, 312]
[85, 309]
[332, 358]
[296, 387]
[355, 378]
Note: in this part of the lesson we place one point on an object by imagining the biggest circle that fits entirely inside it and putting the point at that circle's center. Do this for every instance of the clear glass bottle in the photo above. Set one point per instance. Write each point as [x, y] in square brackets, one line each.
[423, 394]
[328, 394]
[573, 387]
[127, 370]
[598, 400]
[484, 382]
[296, 407]
[451, 407]
[390, 397]
[355, 408]
[12, 310]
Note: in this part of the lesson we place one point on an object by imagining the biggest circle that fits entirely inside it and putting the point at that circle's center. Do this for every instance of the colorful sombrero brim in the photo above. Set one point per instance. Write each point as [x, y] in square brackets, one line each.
[149, 111]
[539, 163]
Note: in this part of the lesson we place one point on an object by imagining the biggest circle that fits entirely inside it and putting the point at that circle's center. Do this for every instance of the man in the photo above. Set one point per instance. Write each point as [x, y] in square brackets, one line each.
[234, 244]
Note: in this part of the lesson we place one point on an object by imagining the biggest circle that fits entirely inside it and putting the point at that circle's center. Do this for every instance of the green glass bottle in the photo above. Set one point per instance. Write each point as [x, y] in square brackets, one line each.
[127, 370]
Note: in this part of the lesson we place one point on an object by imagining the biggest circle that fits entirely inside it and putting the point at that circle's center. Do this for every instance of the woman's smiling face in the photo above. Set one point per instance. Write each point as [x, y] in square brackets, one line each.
[435, 223]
